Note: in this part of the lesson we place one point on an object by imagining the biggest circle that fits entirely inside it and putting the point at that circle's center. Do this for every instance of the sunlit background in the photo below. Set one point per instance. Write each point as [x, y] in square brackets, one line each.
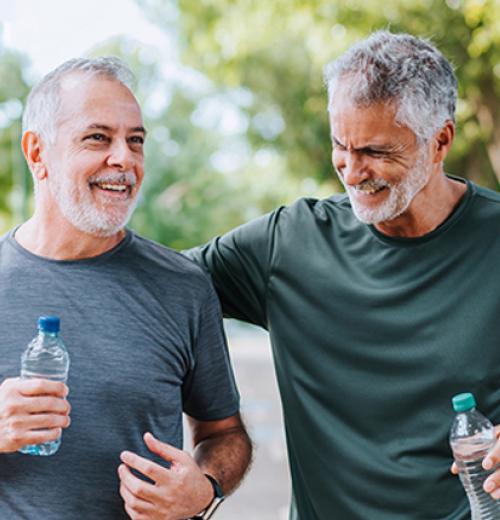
[235, 107]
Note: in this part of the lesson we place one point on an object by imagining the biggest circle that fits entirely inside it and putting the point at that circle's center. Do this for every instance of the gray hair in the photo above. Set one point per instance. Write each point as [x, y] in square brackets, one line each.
[43, 103]
[403, 69]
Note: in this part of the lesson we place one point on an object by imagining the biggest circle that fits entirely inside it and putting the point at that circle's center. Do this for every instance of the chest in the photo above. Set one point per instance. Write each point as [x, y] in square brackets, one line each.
[369, 327]
[129, 352]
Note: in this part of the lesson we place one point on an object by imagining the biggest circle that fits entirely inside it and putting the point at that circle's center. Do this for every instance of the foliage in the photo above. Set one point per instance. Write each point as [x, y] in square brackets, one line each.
[200, 178]
[277, 50]
[14, 176]
[235, 106]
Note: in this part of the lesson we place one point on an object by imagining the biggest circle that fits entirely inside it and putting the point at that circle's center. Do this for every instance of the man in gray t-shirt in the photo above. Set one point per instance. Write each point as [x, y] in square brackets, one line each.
[141, 323]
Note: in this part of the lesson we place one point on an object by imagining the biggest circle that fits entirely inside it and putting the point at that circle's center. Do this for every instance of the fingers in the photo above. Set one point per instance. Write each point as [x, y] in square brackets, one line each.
[175, 494]
[20, 439]
[37, 387]
[25, 409]
[454, 468]
[31, 429]
[147, 467]
[33, 396]
[493, 457]
[30, 405]
[135, 486]
[39, 437]
[46, 404]
[134, 506]
[492, 485]
[164, 450]
[43, 421]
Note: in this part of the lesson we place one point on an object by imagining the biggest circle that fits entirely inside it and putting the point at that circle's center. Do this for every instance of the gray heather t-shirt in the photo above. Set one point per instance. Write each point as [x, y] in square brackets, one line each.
[143, 330]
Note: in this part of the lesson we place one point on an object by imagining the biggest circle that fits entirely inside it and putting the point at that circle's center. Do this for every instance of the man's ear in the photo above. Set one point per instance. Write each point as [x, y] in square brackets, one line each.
[443, 140]
[32, 146]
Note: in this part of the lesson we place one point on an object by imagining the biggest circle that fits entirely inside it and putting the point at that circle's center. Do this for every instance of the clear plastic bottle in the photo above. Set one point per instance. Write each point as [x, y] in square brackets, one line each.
[472, 436]
[45, 357]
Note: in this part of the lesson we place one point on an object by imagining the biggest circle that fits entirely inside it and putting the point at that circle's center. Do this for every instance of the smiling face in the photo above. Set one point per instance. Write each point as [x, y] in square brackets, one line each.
[96, 165]
[378, 160]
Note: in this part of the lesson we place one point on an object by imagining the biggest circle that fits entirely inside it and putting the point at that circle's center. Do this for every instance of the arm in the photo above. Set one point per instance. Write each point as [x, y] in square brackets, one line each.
[239, 264]
[221, 448]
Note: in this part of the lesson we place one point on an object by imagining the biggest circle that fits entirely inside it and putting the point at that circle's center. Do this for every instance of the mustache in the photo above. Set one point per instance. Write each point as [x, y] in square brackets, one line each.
[368, 184]
[128, 178]
[372, 184]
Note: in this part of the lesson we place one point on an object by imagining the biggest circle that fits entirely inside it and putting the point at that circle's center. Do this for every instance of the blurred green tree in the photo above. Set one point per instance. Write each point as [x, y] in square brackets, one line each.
[15, 179]
[236, 108]
[277, 50]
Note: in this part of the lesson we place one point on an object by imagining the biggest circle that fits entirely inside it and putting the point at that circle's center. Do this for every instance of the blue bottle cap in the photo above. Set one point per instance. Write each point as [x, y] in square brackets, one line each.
[49, 323]
[463, 402]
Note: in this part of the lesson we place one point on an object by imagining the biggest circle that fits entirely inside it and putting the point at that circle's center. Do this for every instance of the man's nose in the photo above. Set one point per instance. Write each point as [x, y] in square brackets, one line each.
[353, 168]
[121, 156]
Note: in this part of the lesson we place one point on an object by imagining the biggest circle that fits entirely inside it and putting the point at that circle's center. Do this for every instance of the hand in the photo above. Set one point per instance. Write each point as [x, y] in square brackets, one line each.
[492, 483]
[179, 492]
[32, 411]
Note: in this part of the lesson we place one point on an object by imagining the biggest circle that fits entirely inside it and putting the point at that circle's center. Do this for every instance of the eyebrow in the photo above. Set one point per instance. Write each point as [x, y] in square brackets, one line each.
[99, 126]
[369, 147]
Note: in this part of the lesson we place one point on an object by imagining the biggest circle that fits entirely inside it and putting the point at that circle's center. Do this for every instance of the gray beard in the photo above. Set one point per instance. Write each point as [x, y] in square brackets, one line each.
[85, 217]
[400, 197]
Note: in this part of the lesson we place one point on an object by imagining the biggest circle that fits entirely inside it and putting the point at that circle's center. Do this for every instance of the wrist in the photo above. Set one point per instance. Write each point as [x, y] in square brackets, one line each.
[216, 499]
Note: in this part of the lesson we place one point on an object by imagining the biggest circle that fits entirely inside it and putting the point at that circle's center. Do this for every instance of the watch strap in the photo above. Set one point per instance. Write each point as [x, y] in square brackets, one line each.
[216, 501]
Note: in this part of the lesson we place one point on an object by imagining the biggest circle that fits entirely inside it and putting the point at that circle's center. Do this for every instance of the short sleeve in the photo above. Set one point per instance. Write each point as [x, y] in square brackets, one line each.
[239, 264]
[209, 391]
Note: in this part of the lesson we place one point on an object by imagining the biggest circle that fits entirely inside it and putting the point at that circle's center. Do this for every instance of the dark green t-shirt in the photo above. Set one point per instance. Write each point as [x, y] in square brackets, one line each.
[371, 337]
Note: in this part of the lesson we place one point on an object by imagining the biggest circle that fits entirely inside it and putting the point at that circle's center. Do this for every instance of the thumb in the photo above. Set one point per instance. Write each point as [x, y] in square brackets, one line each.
[162, 449]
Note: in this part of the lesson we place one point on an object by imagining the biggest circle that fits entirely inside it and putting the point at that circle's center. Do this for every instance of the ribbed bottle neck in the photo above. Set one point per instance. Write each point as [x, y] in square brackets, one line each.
[46, 334]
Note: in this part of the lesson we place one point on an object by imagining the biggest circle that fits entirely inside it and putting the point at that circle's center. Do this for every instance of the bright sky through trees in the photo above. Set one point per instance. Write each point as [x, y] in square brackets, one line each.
[54, 31]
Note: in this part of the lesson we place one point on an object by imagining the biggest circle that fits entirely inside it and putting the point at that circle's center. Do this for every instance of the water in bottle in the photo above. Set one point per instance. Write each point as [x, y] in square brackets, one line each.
[45, 357]
[472, 436]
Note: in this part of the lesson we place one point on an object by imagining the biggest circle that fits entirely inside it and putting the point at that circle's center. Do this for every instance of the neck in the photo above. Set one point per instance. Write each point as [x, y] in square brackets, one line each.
[428, 210]
[62, 241]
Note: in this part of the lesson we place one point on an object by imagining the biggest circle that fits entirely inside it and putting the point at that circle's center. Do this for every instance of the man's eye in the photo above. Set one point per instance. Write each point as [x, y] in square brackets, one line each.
[377, 153]
[339, 147]
[137, 139]
[97, 137]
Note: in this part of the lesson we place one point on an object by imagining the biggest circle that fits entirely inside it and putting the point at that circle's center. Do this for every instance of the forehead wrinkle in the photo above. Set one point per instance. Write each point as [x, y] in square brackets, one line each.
[386, 147]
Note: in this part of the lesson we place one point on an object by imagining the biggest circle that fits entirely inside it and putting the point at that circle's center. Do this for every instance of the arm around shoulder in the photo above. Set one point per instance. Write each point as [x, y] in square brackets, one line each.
[239, 263]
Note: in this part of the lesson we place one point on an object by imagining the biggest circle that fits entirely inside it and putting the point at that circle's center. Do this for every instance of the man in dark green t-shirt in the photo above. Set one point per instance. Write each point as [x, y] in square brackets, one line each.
[382, 303]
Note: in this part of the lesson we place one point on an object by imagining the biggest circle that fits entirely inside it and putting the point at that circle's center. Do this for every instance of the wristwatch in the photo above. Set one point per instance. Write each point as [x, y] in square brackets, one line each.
[214, 504]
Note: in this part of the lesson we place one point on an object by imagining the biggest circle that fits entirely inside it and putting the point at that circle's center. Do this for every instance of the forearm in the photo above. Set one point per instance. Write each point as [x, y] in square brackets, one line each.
[226, 456]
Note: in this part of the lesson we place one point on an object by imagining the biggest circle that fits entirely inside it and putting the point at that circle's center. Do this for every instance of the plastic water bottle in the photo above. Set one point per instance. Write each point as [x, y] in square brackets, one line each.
[45, 357]
[472, 436]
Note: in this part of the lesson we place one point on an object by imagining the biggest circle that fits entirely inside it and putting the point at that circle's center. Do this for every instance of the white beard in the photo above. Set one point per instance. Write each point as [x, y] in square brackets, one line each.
[400, 196]
[79, 208]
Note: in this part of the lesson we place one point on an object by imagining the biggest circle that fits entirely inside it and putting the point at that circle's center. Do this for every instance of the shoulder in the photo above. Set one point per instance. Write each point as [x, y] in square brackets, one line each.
[333, 209]
[487, 205]
[165, 266]
[488, 196]
[301, 215]
[5, 238]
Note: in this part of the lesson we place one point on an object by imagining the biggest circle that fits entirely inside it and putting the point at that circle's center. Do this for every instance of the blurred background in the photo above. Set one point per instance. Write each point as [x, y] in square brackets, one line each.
[235, 107]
